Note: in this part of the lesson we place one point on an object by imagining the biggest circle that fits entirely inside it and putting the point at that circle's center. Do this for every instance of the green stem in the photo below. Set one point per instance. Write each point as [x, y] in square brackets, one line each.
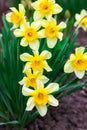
[27, 118]
[73, 89]
[34, 115]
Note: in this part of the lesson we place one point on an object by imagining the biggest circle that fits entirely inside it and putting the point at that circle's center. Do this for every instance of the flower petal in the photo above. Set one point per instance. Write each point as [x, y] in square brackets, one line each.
[35, 5]
[62, 25]
[37, 16]
[18, 33]
[60, 36]
[84, 28]
[76, 23]
[83, 12]
[39, 84]
[85, 55]
[48, 16]
[25, 57]
[26, 67]
[34, 45]
[72, 57]
[52, 87]
[8, 16]
[36, 24]
[77, 17]
[42, 109]
[30, 104]
[22, 81]
[57, 9]
[53, 1]
[51, 42]
[79, 50]
[27, 91]
[21, 9]
[44, 79]
[46, 54]
[68, 68]
[41, 34]
[47, 67]
[79, 74]
[25, 25]
[14, 9]
[44, 22]
[14, 27]
[23, 42]
[28, 72]
[52, 101]
[52, 20]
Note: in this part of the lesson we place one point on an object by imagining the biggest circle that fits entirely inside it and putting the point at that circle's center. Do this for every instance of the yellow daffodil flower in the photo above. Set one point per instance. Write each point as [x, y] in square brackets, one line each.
[40, 97]
[52, 31]
[29, 34]
[16, 17]
[77, 63]
[31, 79]
[45, 8]
[36, 62]
[81, 20]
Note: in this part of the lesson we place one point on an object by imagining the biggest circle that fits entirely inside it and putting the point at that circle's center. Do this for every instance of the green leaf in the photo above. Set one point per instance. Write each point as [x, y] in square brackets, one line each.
[73, 89]
[3, 115]
[10, 122]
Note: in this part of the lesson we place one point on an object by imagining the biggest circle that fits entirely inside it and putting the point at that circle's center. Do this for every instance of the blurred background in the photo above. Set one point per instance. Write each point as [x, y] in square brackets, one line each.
[70, 7]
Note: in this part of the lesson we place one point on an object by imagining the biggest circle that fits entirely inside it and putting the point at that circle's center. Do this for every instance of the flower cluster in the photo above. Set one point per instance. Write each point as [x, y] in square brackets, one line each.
[43, 26]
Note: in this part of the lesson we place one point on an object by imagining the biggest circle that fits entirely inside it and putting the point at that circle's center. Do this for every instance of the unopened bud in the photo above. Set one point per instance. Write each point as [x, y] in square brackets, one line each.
[67, 14]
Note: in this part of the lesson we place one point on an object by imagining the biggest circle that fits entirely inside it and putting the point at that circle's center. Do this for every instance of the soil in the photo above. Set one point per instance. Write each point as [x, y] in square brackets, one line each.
[71, 114]
[3, 9]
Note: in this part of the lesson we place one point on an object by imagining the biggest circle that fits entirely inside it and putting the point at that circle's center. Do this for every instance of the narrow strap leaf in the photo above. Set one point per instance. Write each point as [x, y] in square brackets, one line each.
[10, 122]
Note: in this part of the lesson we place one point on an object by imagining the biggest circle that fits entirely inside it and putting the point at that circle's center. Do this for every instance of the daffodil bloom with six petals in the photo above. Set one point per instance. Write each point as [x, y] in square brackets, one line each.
[16, 17]
[52, 31]
[30, 34]
[37, 62]
[45, 8]
[32, 79]
[81, 20]
[40, 97]
[77, 63]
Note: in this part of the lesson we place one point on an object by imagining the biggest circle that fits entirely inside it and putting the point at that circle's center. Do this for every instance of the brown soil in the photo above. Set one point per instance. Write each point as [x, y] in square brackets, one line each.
[71, 114]
[3, 10]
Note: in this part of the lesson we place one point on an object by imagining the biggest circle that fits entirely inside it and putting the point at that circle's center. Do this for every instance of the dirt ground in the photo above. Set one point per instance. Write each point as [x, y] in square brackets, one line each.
[71, 114]
[3, 10]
